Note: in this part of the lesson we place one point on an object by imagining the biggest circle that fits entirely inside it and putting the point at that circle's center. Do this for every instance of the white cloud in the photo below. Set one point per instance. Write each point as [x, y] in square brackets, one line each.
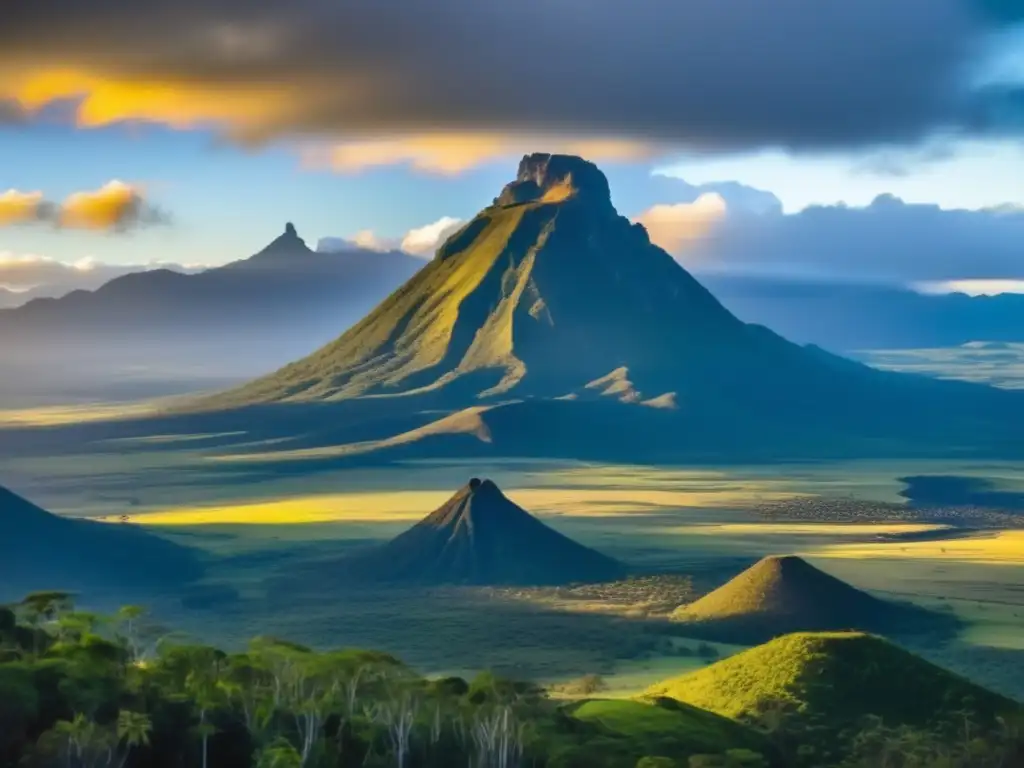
[419, 241]
[887, 242]
[973, 287]
[424, 241]
[33, 276]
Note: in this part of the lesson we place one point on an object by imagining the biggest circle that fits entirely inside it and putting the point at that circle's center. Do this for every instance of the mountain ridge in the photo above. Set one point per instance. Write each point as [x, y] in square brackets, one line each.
[225, 323]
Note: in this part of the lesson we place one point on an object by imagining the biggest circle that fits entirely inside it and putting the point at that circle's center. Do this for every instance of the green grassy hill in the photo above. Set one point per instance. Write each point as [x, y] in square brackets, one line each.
[624, 731]
[837, 678]
[780, 595]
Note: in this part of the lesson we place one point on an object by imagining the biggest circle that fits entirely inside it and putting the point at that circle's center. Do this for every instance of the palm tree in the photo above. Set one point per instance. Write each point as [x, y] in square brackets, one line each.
[279, 754]
[78, 734]
[133, 728]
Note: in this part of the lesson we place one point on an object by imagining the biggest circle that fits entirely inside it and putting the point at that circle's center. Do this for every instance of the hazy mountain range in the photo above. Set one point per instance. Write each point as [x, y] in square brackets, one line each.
[846, 317]
[160, 328]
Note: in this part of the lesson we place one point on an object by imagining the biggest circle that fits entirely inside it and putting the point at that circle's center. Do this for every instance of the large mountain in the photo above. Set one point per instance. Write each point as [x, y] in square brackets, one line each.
[234, 321]
[481, 537]
[557, 328]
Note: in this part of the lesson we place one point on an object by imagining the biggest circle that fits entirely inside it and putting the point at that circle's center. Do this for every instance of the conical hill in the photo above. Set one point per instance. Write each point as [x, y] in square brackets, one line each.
[832, 681]
[481, 537]
[780, 595]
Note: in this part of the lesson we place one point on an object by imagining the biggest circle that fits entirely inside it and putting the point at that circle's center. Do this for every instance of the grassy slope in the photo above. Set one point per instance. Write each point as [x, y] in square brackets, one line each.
[688, 727]
[410, 332]
[780, 595]
[841, 675]
[624, 731]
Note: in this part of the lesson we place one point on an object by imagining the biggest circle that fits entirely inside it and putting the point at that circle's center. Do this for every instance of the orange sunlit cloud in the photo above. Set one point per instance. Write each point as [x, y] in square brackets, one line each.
[453, 153]
[114, 206]
[21, 207]
[673, 227]
[103, 101]
[108, 207]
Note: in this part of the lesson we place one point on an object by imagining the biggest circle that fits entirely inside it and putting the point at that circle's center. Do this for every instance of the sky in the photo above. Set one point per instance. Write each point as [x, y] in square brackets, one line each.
[871, 141]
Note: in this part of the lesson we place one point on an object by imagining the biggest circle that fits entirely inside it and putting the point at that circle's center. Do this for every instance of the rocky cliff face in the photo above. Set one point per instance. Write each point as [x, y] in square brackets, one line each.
[557, 178]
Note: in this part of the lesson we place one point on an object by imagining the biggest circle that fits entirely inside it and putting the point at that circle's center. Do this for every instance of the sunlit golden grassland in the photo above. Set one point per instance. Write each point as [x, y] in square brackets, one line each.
[989, 547]
[63, 415]
[689, 499]
[412, 505]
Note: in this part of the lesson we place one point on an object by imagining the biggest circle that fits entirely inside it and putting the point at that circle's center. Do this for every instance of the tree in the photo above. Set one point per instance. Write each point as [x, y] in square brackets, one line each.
[198, 670]
[128, 618]
[39, 607]
[19, 705]
[279, 754]
[83, 743]
[133, 729]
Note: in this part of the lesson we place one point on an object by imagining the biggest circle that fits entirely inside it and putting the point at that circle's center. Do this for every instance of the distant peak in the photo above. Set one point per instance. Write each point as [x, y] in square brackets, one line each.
[555, 178]
[290, 231]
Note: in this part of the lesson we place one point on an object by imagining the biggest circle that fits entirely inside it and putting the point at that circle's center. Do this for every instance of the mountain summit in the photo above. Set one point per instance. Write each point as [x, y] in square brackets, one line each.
[480, 537]
[556, 178]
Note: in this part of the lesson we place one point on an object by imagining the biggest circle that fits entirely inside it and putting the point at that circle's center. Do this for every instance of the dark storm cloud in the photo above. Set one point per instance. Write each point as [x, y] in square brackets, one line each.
[718, 74]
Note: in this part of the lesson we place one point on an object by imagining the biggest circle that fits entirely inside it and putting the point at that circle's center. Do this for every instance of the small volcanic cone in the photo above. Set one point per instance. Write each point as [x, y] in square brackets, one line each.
[780, 595]
[480, 537]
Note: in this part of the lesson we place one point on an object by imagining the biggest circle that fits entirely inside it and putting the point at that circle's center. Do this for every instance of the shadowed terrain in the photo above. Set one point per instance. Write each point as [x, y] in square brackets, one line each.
[39, 550]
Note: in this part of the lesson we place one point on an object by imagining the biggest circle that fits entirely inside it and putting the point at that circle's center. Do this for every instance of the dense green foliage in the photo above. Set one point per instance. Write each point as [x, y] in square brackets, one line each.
[79, 690]
[83, 691]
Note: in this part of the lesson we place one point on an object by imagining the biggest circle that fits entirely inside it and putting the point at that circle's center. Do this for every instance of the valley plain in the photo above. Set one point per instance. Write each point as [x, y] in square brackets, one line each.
[269, 542]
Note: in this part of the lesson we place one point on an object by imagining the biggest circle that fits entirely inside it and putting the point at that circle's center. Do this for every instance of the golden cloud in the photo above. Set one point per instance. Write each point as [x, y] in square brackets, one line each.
[674, 227]
[453, 153]
[114, 206]
[21, 207]
[102, 101]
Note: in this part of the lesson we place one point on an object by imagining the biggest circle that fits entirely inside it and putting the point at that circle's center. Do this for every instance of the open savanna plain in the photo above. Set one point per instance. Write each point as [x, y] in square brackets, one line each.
[270, 541]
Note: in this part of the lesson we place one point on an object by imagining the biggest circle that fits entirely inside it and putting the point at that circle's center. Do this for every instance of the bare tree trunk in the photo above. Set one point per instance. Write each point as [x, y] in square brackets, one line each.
[206, 738]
